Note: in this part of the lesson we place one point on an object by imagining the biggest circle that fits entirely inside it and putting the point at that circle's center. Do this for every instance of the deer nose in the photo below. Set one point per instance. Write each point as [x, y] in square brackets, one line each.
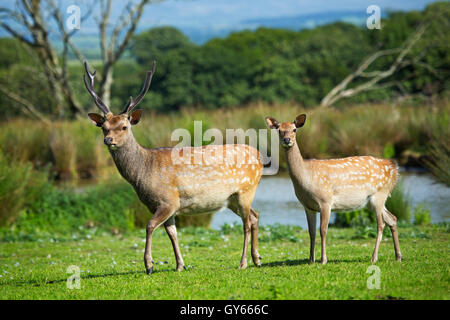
[287, 140]
[108, 141]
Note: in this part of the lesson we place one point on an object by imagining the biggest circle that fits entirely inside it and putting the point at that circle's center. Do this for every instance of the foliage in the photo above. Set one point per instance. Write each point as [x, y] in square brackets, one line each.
[422, 215]
[270, 65]
[438, 148]
[155, 43]
[20, 186]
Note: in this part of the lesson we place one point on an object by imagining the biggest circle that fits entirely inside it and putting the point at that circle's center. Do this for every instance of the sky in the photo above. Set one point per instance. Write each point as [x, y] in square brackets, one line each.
[204, 19]
[219, 13]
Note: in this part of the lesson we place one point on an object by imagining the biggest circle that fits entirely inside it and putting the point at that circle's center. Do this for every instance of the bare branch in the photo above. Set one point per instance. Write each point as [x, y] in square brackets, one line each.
[341, 91]
[25, 103]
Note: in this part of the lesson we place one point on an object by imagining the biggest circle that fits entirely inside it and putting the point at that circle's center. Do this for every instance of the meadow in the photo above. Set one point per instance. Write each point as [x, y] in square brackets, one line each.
[111, 267]
[63, 203]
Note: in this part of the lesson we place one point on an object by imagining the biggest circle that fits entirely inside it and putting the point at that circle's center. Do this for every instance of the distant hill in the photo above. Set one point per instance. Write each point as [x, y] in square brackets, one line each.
[298, 22]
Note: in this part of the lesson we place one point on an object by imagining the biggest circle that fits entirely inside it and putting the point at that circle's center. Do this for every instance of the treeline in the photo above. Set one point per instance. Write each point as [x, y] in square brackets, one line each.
[269, 65]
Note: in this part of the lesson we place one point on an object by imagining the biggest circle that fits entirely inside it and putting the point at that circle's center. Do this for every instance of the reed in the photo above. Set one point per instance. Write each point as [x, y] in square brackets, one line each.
[75, 149]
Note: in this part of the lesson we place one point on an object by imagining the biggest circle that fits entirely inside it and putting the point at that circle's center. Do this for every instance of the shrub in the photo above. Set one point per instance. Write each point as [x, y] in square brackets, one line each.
[438, 149]
[20, 185]
[422, 215]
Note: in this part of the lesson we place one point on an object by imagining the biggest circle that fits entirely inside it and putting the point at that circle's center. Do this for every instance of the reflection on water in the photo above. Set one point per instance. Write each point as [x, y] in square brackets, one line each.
[276, 201]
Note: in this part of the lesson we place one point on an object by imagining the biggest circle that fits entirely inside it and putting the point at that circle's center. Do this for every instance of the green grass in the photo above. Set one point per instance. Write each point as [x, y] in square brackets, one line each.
[112, 267]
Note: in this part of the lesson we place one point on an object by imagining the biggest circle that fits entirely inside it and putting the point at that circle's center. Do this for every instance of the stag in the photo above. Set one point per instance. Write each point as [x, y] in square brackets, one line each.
[170, 187]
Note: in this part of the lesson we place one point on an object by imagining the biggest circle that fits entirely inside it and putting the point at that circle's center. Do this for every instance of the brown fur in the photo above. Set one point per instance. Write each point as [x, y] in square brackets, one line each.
[216, 177]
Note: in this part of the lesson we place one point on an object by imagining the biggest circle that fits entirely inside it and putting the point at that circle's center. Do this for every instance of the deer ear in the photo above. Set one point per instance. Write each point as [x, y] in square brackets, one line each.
[97, 119]
[272, 123]
[300, 120]
[135, 116]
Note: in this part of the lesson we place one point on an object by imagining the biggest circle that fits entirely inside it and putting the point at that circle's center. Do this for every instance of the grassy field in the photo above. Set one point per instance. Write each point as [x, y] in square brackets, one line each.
[112, 266]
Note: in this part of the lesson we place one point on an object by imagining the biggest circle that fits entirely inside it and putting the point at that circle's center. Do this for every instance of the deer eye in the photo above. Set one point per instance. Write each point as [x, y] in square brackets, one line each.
[124, 128]
[295, 130]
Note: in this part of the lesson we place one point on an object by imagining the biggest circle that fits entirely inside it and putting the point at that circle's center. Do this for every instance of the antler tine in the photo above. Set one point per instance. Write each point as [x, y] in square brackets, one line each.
[148, 79]
[90, 88]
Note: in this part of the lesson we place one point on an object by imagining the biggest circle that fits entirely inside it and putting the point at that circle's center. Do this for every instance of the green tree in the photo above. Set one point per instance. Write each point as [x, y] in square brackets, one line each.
[155, 43]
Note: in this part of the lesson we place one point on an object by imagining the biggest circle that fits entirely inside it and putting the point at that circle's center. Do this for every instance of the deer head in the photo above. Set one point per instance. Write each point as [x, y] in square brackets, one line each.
[116, 128]
[287, 130]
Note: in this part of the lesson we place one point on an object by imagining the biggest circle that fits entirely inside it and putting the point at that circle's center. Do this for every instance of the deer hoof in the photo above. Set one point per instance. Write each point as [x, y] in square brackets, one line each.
[181, 268]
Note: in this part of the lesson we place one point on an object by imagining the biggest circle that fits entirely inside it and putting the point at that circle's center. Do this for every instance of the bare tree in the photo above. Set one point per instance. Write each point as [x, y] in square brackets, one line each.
[113, 49]
[375, 78]
[32, 22]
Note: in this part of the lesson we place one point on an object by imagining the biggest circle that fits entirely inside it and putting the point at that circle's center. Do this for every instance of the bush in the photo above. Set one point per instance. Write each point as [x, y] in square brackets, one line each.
[20, 185]
[422, 215]
[63, 212]
[438, 149]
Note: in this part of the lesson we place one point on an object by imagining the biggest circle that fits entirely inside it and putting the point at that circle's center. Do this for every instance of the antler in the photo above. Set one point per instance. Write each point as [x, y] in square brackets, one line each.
[133, 103]
[90, 87]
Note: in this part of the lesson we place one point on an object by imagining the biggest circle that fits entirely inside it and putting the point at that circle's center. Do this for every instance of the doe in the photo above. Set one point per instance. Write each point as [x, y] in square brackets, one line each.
[338, 185]
[169, 187]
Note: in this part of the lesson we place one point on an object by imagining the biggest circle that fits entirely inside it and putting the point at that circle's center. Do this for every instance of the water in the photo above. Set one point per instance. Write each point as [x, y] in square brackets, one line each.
[276, 202]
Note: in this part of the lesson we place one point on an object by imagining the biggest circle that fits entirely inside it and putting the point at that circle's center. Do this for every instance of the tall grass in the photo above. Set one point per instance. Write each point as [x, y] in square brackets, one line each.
[75, 149]
[20, 186]
[438, 147]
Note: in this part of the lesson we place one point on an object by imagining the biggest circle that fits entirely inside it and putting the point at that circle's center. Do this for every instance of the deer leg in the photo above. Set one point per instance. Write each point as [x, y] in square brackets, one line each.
[160, 216]
[380, 228]
[171, 230]
[254, 218]
[311, 217]
[391, 221]
[325, 211]
[247, 228]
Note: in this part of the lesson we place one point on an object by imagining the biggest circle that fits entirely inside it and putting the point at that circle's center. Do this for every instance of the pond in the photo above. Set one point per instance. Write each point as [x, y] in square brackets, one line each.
[276, 202]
